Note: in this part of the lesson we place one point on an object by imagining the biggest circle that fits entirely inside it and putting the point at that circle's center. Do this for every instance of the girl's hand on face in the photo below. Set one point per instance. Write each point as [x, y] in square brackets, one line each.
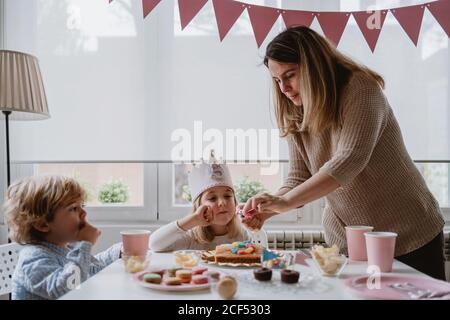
[204, 216]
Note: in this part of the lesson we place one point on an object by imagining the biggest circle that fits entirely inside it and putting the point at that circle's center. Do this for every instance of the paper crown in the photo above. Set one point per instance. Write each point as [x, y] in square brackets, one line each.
[205, 176]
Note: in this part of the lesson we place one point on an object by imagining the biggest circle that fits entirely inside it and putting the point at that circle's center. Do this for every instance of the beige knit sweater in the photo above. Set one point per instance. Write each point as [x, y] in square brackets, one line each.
[380, 185]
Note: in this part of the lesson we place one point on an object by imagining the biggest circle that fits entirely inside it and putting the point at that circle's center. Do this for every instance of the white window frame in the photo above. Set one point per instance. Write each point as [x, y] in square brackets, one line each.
[148, 212]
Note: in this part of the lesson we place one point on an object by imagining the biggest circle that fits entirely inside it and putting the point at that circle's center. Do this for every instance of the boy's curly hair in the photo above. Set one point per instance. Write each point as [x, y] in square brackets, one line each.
[35, 199]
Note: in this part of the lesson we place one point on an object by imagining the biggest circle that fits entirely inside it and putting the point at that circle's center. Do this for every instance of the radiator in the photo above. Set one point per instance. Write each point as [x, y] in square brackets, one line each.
[293, 240]
[299, 239]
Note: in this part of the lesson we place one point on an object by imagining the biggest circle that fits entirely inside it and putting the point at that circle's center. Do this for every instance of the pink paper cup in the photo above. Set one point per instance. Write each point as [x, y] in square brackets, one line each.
[135, 242]
[381, 249]
[356, 242]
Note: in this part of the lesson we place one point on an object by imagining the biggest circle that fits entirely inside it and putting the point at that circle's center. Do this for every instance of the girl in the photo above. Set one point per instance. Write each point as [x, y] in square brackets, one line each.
[46, 214]
[213, 220]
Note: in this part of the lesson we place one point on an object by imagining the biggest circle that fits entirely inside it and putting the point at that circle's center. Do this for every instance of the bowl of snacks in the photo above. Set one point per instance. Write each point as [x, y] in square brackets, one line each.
[187, 258]
[328, 260]
[135, 264]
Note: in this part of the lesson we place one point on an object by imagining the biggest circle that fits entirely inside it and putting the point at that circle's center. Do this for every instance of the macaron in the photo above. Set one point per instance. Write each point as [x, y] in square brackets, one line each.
[159, 271]
[227, 287]
[185, 276]
[199, 270]
[172, 271]
[152, 278]
[172, 281]
[199, 279]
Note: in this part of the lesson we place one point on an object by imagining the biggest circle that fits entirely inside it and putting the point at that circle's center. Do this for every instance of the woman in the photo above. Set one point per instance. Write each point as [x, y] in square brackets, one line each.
[345, 144]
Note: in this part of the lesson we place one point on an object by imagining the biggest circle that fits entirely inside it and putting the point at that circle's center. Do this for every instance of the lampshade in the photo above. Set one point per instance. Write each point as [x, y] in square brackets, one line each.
[21, 86]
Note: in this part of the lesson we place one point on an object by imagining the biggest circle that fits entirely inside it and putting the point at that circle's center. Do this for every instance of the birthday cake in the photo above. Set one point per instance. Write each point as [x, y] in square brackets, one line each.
[236, 252]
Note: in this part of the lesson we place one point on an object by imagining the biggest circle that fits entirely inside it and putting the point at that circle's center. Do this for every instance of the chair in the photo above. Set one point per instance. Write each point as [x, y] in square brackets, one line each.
[9, 254]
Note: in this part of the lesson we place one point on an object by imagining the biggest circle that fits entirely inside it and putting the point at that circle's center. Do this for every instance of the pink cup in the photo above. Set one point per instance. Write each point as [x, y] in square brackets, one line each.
[381, 249]
[135, 242]
[356, 242]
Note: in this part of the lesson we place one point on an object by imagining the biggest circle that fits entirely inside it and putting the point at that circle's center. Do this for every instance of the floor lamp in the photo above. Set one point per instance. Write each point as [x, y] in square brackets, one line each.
[22, 94]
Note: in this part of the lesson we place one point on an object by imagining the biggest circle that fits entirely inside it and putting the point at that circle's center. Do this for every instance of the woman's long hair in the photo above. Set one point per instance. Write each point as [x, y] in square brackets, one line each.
[324, 72]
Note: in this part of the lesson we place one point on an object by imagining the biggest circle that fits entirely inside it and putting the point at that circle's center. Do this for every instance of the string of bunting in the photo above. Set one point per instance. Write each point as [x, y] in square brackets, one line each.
[333, 24]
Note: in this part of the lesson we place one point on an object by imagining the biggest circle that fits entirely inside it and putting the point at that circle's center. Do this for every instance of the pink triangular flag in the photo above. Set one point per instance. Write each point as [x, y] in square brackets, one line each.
[333, 24]
[410, 18]
[189, 9]
[148, 6]
[441, 12]
[262, 20]
[227, 13]
[294, 18]
[370, 24]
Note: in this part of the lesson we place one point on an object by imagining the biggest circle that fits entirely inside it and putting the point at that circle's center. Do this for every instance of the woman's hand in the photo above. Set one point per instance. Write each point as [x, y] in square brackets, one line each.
[254, 219]
[266, 202]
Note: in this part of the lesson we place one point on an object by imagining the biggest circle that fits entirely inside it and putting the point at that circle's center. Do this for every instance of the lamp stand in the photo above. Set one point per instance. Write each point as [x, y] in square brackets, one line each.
[8, 169]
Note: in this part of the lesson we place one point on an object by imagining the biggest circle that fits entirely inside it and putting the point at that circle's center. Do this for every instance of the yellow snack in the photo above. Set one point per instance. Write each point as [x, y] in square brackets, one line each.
[186, 259]
[135, 264]
[328, 259]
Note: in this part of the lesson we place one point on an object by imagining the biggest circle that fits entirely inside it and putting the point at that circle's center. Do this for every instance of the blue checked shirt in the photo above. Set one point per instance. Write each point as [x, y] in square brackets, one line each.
[46, 271]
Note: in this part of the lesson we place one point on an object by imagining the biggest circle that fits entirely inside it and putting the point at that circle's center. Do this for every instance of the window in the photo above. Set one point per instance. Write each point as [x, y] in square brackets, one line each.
[437, 177]
[124, 192]
[105, 183]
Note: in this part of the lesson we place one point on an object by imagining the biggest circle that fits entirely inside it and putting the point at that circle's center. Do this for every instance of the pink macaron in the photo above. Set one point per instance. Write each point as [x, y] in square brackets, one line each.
[199, 279]
[199, 270]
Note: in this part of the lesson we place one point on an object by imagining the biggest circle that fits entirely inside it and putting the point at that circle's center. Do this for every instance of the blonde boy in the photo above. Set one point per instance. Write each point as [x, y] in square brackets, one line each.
[46, 215]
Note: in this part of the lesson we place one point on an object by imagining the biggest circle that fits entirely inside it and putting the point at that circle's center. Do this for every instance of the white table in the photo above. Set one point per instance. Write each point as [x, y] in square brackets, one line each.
[113, 283]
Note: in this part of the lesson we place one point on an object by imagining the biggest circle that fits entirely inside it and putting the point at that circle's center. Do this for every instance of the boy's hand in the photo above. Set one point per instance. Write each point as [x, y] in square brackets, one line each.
[88, 233]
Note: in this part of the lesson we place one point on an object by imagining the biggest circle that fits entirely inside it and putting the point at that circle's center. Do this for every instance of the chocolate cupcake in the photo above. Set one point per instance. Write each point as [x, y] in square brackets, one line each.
[263, 274]
[289, 276]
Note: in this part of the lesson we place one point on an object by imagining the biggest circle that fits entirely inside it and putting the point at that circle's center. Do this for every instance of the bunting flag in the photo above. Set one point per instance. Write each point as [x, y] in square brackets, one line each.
[333, 24]
[294, 18]
[189, 9]
[227, 12]
[370, 24]
[262, 20]
[410, 18]
[148, 6]
[441, 12]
